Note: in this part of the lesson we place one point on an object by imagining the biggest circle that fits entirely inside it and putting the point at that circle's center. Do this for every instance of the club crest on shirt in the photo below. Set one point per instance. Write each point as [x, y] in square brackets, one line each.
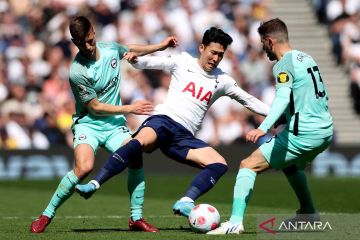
[113, 63]
[82, 137]
[216, 82]
[300, 57]
[282, 77]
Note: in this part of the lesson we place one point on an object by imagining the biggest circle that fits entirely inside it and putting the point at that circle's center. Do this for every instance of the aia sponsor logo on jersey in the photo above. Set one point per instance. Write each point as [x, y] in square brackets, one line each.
[198, 93]
[113, 63]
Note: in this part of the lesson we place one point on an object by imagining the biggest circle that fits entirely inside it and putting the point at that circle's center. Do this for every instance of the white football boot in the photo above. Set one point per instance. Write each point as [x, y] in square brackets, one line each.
[227, 228]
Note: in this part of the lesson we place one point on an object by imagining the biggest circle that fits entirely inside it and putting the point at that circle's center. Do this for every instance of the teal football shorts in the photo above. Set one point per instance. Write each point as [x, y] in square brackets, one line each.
[110, 140]
[286, 149]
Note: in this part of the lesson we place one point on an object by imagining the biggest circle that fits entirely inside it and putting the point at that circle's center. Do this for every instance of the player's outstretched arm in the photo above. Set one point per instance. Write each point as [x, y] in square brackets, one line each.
[131, 57]
[152, 62]
[141, 50]
[250, 102]
[141, 107]
[278, 107]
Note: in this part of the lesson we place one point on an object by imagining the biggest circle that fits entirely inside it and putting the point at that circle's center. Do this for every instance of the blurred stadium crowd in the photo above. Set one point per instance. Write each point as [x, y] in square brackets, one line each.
[36, 101]
[342, 18]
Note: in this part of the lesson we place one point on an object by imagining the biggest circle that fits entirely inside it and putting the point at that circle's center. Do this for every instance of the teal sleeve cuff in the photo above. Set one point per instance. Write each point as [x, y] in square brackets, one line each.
[278, 107]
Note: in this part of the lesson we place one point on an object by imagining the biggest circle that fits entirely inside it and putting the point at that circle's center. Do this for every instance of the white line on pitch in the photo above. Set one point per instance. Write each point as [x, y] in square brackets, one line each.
[148, 216]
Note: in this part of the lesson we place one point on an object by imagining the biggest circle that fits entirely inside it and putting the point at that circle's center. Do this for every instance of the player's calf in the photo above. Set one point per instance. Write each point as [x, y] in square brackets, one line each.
[205, 180]
[202, 183]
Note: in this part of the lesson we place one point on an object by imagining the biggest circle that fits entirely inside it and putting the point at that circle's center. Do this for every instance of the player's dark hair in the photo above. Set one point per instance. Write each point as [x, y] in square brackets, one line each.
[216, 35]
[79, 27]
[274, 28]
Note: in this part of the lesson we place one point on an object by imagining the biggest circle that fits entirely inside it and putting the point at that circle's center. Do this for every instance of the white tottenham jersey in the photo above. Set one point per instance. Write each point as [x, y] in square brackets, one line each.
[192, 90]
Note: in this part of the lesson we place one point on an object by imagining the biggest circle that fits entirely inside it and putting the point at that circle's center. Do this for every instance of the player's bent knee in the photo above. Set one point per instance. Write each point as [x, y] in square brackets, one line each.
[249, 163]
[220, 160]
[214, 157]
[145, 145]
[210, 161]
[255, 164]
[83, 171]
[246, 163]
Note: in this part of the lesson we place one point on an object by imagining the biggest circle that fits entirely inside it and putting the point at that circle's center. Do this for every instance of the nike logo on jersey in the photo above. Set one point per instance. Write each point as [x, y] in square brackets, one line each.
[198, 93]
[217, 82]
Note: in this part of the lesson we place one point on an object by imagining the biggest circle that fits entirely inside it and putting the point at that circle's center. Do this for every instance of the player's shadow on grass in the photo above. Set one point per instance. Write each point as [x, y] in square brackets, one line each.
[102, 230]
[180, 229]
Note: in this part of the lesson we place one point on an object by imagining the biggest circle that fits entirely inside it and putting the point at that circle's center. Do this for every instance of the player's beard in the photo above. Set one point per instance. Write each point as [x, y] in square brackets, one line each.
[269, 53]
[90, 54]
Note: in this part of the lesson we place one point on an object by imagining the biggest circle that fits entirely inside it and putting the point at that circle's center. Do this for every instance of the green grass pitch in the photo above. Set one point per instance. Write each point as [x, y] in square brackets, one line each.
[105, 215]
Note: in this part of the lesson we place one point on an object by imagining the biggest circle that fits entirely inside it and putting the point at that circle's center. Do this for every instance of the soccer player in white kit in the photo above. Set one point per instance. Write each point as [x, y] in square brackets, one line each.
[196, 83]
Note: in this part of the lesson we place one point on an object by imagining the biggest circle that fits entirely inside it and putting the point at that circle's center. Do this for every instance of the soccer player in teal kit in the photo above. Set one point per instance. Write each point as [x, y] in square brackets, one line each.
[300, 95]
[99, 119]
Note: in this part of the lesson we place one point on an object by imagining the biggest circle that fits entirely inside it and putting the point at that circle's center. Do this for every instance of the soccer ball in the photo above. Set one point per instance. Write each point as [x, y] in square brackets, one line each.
[204, 218]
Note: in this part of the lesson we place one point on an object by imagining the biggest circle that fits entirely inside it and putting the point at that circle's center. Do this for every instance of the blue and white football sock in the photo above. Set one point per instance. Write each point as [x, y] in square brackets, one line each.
[186, 199]
[119, 160]
[205, 180]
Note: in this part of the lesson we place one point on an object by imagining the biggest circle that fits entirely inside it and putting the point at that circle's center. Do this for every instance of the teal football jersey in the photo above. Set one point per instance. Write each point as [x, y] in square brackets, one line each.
[101, 79]
[308, 112]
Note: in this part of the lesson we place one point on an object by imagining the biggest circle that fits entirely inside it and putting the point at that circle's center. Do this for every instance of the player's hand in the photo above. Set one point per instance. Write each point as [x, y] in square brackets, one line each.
[141, 107]
[169, 42]
[131, 57]
[254, 135]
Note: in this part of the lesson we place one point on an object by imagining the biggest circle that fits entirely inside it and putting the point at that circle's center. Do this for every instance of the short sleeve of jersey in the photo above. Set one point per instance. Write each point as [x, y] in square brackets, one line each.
[81, 85]
[284, 71]
[121, 48]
